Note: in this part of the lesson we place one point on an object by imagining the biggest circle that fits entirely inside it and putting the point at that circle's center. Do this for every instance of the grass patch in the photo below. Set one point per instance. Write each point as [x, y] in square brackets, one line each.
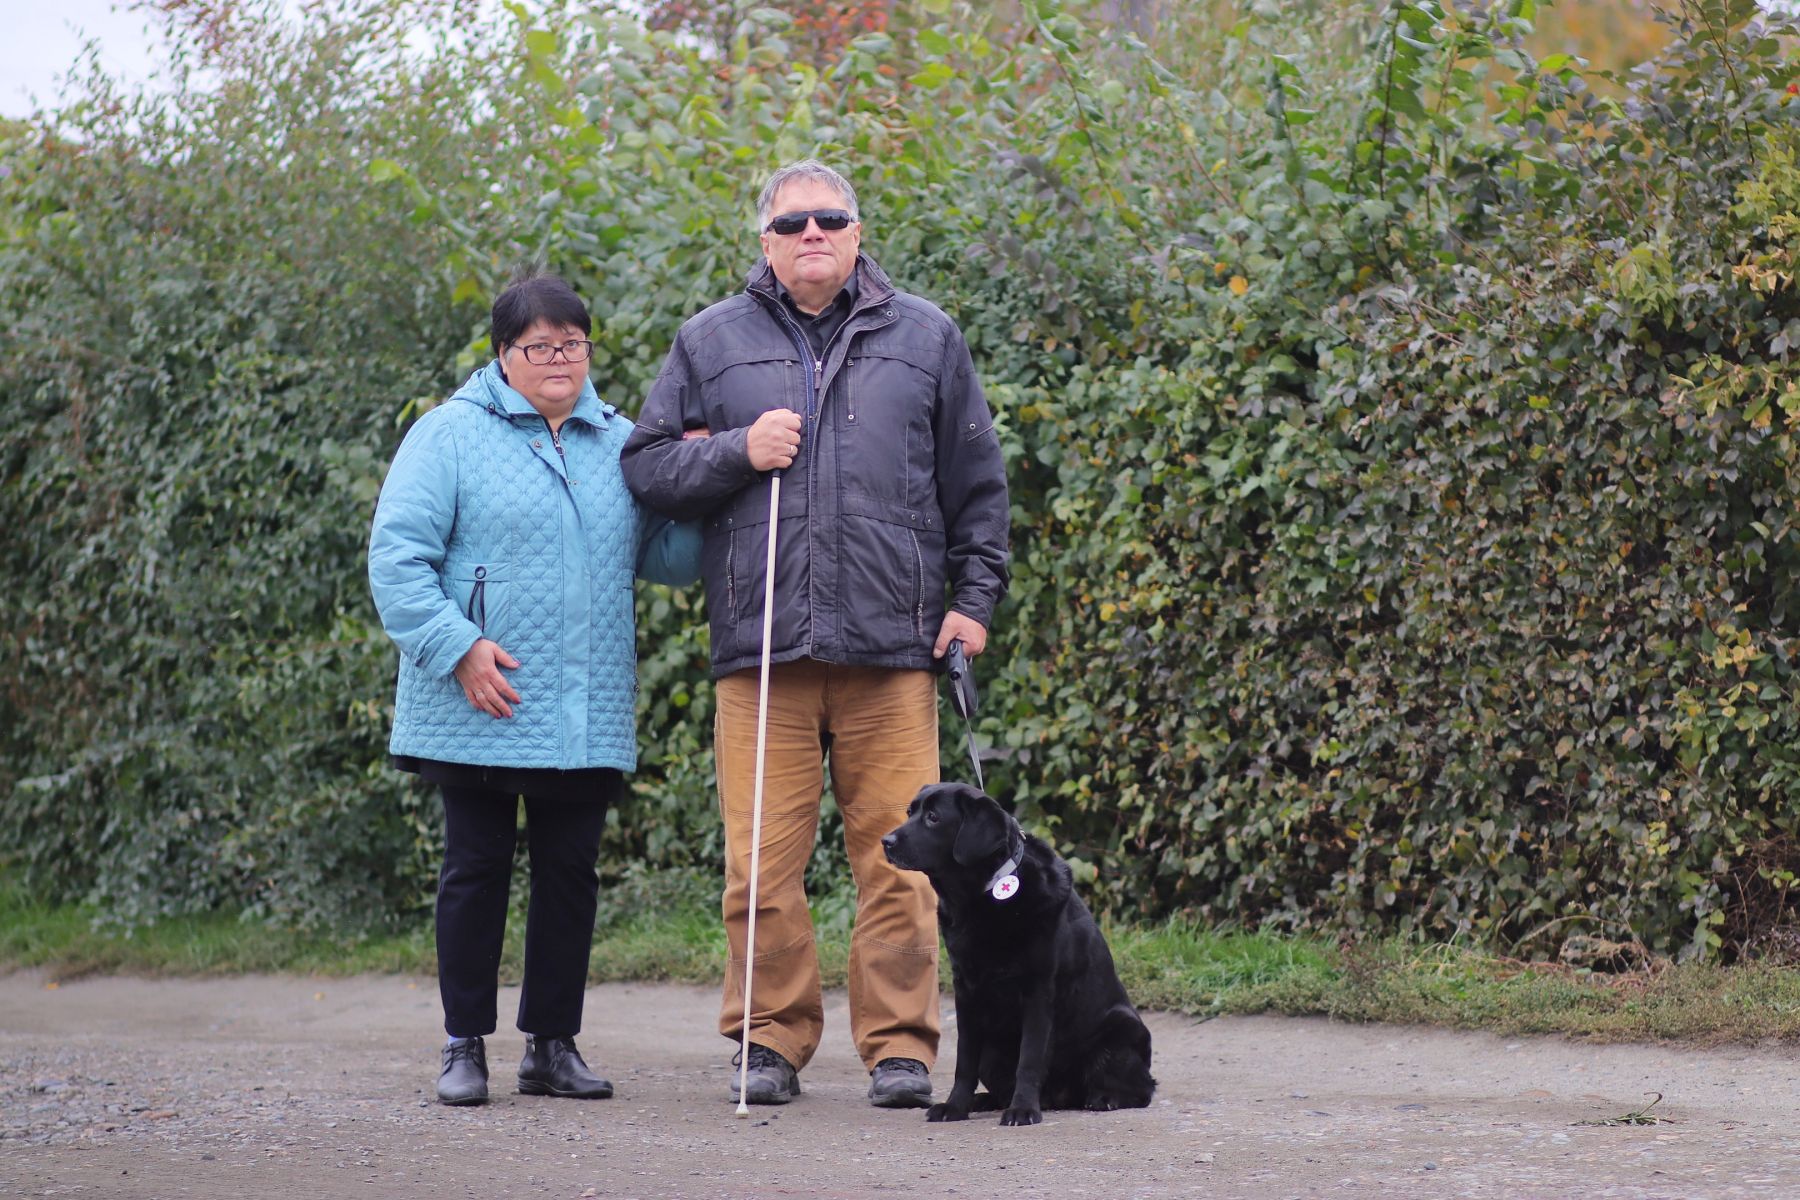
[69, 941]
[664, 927]
[1461, 988]
[1192, 969]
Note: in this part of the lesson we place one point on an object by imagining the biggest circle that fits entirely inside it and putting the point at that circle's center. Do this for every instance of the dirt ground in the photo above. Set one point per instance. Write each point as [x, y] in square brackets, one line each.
[284, 1086]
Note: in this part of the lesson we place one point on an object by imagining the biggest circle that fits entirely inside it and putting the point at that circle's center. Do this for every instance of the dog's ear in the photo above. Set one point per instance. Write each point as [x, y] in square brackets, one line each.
[983, 832]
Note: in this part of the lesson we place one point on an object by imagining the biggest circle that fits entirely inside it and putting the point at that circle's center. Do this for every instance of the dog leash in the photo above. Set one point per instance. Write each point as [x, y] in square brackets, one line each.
[964, 699]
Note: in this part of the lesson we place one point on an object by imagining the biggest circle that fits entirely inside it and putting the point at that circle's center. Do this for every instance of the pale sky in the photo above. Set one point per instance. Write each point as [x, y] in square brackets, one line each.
[44, 37]
[42, 40]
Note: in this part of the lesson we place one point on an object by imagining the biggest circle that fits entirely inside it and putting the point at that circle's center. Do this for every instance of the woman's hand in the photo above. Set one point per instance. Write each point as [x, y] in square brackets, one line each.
[774, 440]
[482, 682]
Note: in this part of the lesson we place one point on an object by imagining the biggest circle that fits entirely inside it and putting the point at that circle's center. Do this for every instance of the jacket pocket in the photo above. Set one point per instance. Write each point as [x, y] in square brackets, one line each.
[723, 570]
[891, 578]
[479, 590]
[883, 424]
[738, 387]
[919, 589]
[886, 392]
[731, 571]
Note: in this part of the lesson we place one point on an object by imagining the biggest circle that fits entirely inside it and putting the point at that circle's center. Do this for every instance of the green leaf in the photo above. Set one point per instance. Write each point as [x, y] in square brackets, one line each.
[1418, 17]
[933, 76]
[770, 18]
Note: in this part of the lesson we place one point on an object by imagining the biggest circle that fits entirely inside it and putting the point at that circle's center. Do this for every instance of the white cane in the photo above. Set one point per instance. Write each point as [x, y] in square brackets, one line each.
[756, 803]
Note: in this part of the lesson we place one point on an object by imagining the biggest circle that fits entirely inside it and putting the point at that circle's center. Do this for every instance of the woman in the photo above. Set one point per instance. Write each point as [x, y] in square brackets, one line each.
[502, 560]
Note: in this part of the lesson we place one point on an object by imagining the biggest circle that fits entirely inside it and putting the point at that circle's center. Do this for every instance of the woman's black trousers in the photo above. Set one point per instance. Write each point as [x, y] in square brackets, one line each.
[563, 838]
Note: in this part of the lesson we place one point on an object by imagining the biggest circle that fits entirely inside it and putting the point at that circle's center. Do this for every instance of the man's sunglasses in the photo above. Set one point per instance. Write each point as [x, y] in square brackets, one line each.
[830, 220]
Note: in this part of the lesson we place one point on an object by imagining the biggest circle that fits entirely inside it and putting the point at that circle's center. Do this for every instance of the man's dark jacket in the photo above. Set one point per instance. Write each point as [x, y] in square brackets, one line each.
[898, 491]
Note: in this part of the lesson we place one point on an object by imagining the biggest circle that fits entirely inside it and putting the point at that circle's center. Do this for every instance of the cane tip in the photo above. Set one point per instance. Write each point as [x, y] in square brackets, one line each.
[743, 1109]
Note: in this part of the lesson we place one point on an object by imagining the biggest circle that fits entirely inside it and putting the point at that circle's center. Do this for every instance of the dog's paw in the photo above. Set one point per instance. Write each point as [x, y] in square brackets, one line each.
[1021, 1116]
[944, 1112]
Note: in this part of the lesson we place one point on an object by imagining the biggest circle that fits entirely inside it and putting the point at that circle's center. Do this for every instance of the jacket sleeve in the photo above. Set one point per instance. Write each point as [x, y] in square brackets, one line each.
[668, 551]
[971, 486]
[406, 550]
[682, 478]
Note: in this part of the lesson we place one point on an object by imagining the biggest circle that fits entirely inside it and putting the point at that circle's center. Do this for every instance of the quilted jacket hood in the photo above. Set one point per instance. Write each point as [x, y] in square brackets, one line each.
[488, 389]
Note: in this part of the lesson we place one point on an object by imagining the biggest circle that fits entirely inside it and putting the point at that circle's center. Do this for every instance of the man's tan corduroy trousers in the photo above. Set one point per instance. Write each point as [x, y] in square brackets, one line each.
[879, 727]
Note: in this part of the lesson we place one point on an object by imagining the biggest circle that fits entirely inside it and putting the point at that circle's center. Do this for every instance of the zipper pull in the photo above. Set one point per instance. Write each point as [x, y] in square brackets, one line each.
[818, 371]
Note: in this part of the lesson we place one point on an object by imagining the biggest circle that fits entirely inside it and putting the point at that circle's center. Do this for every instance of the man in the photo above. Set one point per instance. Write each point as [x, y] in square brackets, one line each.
[893, 492]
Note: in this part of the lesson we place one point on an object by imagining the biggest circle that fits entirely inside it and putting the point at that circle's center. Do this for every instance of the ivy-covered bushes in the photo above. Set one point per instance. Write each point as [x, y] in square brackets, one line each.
[1400, 431]
[212, 319]
[1456, 597]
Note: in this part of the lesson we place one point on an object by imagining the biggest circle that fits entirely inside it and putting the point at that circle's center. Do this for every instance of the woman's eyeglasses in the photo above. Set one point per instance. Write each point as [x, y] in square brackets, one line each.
[541, 354]
[830, 220]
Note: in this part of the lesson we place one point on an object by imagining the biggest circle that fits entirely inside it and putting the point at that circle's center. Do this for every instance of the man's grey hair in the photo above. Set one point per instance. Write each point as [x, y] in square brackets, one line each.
[808, 170]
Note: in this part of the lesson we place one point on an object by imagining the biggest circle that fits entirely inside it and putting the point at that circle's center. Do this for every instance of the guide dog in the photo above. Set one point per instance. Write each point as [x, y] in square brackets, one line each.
[1041, 1017]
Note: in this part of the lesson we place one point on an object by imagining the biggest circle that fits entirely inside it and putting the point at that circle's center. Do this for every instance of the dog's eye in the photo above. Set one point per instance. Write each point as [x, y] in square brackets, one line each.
[931, 816]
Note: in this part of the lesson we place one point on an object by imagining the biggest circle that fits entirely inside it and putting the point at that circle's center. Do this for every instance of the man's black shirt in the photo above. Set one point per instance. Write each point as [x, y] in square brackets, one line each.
[820, 329]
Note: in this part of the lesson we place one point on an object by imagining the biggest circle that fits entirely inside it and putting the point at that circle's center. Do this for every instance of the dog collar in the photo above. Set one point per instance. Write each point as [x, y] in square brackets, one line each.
[1005, 883]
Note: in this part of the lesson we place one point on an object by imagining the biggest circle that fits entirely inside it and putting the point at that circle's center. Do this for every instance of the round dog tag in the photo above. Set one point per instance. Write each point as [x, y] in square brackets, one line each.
[1006, 887]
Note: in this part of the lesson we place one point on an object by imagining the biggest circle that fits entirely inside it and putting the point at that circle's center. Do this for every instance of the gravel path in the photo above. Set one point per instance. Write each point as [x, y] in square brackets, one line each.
[277, 1086]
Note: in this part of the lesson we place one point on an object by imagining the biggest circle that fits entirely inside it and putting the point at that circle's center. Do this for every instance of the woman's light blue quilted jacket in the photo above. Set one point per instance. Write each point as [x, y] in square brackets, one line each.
[485, 530]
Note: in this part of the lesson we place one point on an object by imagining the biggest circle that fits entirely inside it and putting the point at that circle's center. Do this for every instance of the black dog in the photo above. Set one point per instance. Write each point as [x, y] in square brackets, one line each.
[1041, 1017]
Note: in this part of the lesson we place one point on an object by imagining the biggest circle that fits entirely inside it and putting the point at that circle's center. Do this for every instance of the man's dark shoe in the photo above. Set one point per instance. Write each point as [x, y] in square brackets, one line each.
[463, 1079]
[773, 1079]
[900, 1083]
[552, 1066]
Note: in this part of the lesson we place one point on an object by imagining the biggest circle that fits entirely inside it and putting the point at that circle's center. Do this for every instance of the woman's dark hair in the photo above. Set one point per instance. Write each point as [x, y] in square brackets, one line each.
[535, 296]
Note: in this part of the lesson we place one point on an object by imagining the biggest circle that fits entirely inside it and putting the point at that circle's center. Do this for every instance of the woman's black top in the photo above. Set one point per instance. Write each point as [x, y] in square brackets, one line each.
[546, 783]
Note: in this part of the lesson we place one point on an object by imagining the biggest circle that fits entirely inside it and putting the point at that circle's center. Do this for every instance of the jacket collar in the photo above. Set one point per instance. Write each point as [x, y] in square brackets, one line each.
[873, 287]
[487, 389]
[847, 294]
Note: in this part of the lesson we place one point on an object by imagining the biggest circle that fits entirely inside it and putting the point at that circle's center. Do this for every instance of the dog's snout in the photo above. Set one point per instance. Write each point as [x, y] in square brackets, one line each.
[888, 840]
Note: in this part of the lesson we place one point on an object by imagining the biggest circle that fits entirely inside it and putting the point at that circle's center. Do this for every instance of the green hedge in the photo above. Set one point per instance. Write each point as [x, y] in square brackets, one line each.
[213, 320]
[1400, 432]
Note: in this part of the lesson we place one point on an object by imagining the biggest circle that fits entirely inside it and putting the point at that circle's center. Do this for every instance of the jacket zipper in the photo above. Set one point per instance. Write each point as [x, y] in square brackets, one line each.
[806, 355]
[805, 349]
[806, 437]
[813, 418]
